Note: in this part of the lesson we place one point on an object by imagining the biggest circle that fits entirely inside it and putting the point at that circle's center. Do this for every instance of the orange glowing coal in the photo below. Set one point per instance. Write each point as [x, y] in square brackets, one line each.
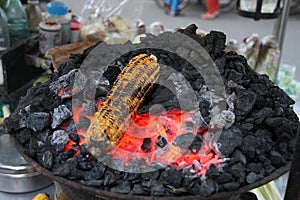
[160, 139]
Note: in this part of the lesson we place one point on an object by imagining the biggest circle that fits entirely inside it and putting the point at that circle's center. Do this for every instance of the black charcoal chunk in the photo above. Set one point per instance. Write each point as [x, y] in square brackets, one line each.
[74, 137]
[251, 178]
[212, 171]
[123, 188]
[60, 114]
[137, 190]
[249, 146]
[231, 186]
[224, 178]
[150, 175]
[66, 168]
[45, 159]
[244, 102]
[96, 173]
[277, 159]
[146, 146]
[208, 187]
[158, 190]
[229, 140]
[59, 139]
[111, 73]
[171, 176]
[161, 141]
[38, 121]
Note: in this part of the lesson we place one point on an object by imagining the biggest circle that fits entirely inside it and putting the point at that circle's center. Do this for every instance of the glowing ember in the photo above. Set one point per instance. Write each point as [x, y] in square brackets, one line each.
[171, 138]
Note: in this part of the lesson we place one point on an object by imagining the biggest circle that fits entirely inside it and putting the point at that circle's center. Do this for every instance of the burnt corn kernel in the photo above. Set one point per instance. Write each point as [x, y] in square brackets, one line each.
[128, 92]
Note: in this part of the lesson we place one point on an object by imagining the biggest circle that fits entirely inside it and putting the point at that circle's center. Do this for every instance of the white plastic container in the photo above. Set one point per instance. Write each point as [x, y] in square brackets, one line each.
[58, 12]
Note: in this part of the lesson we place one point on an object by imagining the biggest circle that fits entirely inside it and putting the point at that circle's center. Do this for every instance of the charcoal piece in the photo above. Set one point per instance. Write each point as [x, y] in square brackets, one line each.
[194, 188]
[76, 174]
[74, 137]
[45, 159]
[38, 121]
[261, 89]
[33, 147]
[251, 178]
[208, 187]
[254, 167]
[83, 123]
[277, 159]
[131, 177]
[229, 140]
[231, 186]
[186, 140]
[146, 146]
[262, 114]
[237, 157]
[92, 183]
[112, 73]
[59, 139]
[158, 190]
[110, 178]
[60, 114]
[102, 87]
[150, 175]
[281, 122]
[212, 171]
[282, 97]
[196, 144]
[171, 176]
[85, 165]
[269, 168]
[246, 126]
[161, 142]
[244, 102]
[283, 148]
[43, 135]
[137, 190]
[24, 135]
[233, 75]
[62, 157]
[123, 188]
[96, 173]
[70, 126]
[65, 169]
[249, 146]
[238, 172]
[224, 178]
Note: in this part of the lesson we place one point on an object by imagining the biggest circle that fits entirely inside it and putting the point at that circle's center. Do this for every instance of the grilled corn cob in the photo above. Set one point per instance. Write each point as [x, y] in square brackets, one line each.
[125, 97]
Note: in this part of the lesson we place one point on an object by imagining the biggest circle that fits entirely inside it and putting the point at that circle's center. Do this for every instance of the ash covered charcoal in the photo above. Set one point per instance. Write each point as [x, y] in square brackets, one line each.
[45, 158]
[59, 139]
[37, 121]
[60, 114]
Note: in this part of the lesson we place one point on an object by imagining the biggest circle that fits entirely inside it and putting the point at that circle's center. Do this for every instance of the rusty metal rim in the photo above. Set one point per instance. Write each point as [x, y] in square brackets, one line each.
[106, 194]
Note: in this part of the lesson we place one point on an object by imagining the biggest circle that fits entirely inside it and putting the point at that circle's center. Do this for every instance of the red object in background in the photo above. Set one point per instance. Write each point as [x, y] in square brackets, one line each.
[75, 29]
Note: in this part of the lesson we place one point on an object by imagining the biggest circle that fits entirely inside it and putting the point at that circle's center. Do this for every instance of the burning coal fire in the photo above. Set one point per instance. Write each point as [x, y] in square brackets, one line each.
[190, 151]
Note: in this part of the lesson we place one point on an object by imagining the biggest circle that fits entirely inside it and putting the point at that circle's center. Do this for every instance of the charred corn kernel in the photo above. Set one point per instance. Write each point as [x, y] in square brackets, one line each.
[128, 92]
[41, 196]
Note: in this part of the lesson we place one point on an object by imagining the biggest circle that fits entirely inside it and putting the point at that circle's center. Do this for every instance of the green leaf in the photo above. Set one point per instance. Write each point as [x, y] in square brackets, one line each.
[2, 3]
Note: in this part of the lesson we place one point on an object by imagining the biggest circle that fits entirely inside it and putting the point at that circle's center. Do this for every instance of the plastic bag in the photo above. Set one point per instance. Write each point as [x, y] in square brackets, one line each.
[262, 56]
[110, 20]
